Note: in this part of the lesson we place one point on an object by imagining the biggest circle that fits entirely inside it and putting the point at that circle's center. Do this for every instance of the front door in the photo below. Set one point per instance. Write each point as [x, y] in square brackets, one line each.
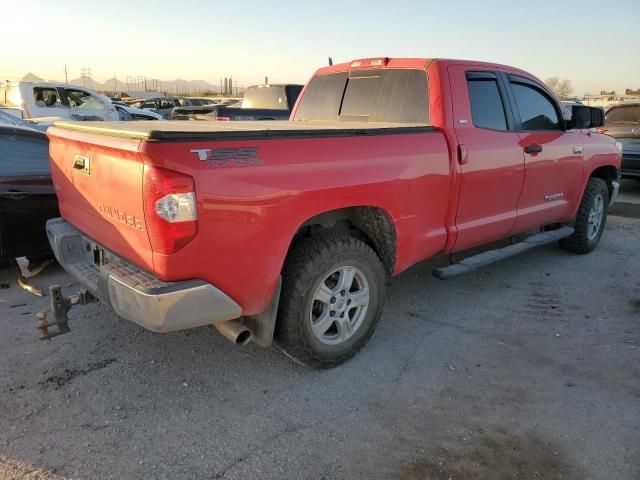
[489, 154]
[553, 157]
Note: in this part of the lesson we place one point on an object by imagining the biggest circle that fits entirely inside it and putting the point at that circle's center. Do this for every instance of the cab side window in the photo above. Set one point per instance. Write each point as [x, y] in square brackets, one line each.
[537, 110]
[487, 106]
[46, 97]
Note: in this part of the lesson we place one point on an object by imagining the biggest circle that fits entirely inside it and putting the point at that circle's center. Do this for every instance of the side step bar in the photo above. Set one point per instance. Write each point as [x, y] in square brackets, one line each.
[470, 264]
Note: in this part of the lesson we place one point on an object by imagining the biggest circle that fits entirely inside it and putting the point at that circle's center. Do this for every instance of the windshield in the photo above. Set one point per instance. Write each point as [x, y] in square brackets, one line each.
[270, 97]
[624, 114]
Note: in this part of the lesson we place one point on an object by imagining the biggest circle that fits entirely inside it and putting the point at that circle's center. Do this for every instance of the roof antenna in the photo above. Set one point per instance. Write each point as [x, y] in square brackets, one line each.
[330, 61]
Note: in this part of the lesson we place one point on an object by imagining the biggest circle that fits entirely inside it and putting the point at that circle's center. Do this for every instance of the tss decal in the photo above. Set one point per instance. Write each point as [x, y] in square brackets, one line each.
[229, 157]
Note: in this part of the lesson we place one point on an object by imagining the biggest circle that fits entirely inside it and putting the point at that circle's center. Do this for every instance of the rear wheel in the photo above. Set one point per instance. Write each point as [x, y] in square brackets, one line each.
[591, 218]
[332, 293]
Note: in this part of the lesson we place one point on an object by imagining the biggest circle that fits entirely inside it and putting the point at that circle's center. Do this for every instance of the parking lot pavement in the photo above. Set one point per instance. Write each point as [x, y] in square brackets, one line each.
[526, 369]
[628, 204]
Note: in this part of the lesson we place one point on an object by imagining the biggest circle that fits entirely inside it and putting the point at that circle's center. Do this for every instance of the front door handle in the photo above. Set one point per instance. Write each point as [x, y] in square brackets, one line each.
[463, 154]
[535, 148]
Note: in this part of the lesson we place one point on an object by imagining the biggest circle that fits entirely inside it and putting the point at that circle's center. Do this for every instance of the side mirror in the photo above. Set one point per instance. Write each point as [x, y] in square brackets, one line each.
[597, 117]
[586, 117]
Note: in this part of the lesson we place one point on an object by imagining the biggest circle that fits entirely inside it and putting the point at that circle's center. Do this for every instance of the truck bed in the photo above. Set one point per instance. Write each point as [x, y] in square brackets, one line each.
[178, 130]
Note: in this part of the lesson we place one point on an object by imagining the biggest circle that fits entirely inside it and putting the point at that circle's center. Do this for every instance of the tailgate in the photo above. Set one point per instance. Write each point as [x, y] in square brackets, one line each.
[98, 181]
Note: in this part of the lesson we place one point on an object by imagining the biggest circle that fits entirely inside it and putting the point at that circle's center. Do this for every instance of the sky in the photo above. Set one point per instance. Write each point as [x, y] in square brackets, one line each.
[592, 43]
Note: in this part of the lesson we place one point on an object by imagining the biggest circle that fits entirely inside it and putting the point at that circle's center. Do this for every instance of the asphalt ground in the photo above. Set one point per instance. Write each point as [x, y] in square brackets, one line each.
[526, 369]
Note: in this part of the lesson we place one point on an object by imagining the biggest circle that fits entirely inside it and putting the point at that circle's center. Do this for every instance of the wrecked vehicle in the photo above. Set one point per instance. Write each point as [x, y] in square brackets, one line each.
[27, 197]
[260, 102]
[162, 105]
[48, 99]
[288, 231]
[129, 113]
[202, 101]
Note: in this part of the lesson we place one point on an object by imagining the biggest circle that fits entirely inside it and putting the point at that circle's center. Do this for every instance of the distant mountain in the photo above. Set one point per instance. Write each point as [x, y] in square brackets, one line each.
[177, 86]
[31, 77]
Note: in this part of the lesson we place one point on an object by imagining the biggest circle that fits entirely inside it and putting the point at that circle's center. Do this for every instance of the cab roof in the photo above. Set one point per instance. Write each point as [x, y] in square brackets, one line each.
[419, 63]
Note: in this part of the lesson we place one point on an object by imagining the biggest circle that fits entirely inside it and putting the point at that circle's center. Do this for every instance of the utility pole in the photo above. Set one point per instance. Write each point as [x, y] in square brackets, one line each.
[115, 83]
[66, 75]
[86, 74]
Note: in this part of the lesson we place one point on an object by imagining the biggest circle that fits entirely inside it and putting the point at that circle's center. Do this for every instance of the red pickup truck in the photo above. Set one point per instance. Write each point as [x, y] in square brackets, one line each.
[287, 231]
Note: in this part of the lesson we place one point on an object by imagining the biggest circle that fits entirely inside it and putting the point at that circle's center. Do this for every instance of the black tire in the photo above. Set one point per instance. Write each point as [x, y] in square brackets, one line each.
[583, 240]
[310, 262]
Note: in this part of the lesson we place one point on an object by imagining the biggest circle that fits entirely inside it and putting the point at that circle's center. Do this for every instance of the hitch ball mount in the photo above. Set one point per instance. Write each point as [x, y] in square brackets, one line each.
[59, 307]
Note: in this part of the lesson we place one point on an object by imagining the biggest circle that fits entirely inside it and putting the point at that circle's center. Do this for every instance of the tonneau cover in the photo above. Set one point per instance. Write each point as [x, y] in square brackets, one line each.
[178, 130]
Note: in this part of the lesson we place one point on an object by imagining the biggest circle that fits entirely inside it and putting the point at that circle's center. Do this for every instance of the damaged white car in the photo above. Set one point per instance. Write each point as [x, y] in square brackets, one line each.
[59, 100]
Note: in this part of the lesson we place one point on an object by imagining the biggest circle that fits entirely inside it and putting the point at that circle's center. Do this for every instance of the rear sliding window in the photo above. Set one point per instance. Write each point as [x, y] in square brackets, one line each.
[396, 96]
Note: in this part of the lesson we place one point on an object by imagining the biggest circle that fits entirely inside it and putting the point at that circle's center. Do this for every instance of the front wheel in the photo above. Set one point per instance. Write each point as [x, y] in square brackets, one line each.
[332, 293]
[591, 218]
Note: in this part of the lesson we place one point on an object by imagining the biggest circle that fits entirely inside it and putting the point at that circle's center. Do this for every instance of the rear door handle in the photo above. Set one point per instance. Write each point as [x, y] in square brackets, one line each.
[535, 148]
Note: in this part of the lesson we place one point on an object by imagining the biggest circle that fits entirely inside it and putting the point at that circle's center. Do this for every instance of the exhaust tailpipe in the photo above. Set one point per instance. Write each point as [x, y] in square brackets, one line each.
[234, 331]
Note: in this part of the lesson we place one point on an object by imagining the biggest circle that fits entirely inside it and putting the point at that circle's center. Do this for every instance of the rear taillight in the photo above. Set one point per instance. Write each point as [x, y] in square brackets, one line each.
[601, 130]
[170, 211]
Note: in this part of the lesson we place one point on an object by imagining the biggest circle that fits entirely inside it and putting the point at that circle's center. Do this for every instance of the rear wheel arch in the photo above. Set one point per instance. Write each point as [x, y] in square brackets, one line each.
[372, 225]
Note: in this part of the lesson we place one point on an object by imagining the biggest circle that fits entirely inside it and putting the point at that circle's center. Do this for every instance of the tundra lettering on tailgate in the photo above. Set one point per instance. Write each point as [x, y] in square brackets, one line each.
[120, 216]
[229, 157]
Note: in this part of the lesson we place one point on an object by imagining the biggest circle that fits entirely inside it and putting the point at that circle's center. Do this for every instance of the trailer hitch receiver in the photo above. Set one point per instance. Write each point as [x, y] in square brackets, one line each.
[59, 307]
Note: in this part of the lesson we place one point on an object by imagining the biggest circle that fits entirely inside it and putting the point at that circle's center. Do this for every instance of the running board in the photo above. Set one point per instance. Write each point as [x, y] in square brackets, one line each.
[470, 264]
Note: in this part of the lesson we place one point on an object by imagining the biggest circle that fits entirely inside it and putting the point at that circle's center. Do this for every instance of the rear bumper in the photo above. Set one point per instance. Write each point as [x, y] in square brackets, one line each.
[133, 293]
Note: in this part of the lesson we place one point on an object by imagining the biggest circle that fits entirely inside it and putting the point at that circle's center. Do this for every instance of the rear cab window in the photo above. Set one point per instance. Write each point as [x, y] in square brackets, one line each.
[390, 95]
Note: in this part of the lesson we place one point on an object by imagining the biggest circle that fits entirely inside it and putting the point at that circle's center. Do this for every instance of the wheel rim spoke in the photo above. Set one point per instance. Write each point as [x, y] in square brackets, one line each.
[322, 324]
[323, 294]
[344, 328]
[345, 281]
[359, 298]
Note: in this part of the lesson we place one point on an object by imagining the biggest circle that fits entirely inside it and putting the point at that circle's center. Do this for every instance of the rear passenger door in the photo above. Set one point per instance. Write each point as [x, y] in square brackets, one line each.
[489, 155]
[553, 156]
